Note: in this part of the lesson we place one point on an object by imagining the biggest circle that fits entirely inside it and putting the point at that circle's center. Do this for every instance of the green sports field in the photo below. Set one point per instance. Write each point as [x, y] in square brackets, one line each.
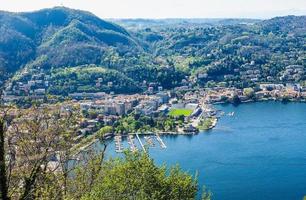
[179, 112]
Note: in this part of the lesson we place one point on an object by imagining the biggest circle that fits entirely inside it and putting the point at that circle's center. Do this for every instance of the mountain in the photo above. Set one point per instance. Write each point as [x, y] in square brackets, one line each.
[75, 51]
[237, 55]
[177, 22]
[284, 25]
[61, 36]
[47, 42]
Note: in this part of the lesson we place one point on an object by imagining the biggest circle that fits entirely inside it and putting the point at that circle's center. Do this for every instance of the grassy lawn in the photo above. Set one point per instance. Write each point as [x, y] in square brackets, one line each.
[205, 124]
[179, 112]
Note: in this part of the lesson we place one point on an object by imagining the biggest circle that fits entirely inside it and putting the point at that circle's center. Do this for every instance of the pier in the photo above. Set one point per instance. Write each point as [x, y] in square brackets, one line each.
[144, 149]
[118, 144]
[162, 144]
[132, 143]
[149, 140]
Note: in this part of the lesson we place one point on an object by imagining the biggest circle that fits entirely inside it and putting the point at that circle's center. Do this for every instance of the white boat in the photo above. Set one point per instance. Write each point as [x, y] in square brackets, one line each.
[231, 114]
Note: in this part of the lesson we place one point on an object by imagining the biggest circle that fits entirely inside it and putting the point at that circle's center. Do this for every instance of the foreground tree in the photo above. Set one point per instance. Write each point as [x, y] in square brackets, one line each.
[35, 145]
[137, 177]
[3, 167]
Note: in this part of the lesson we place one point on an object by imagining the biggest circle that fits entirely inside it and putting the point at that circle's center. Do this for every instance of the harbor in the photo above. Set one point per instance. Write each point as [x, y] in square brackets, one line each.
[218, 151]
[135, 142]
[141, 142]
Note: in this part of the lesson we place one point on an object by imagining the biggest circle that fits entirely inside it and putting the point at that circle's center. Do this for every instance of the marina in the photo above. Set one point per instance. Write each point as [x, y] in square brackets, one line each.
[142, 142]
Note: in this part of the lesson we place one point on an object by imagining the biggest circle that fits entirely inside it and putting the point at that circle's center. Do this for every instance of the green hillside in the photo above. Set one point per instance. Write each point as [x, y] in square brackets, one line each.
[90, 79]
[168, 53]
[237, 55]
[54, 32]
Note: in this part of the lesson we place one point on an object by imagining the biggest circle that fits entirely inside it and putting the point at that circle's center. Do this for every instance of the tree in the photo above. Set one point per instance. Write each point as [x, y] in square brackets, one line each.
[104, 130]
[236, 100]
[249, 92]
[169, 124]
[32, 139]
[3, 168]
[87, 172]
[137, 177]
[92, 114]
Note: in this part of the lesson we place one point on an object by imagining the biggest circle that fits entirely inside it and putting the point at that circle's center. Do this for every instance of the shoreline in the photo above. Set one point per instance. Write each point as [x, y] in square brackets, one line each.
[93, 139]
[263, 100]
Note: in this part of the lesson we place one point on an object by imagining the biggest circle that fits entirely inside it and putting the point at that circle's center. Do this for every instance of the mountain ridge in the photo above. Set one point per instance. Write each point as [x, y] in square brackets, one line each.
[235, 53]
[56, 28]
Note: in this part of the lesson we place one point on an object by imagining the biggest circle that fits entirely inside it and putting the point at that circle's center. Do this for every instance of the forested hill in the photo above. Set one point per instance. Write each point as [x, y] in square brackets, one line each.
[48, 41]
[234, 55]
[59, 37]
[71, 48]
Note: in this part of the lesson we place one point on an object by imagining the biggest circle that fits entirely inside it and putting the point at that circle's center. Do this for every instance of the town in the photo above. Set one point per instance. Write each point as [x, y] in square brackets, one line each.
[189, 110]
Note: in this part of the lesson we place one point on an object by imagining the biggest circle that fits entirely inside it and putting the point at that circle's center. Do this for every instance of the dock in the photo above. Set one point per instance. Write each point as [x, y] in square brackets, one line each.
[140, 142]
[131, 142]
[118, 144]
[162, 144]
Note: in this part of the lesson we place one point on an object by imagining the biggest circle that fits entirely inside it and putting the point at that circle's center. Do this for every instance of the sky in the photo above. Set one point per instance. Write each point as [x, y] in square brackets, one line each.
[168, 8]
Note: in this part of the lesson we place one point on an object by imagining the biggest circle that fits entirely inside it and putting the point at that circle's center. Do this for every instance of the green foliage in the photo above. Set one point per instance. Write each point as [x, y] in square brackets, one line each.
[249, 92]
[140, 123]
[229, 53]
[57, 33]
[104, 130]
[166, 77]
[137, 177]
[206, 123]
[85, 78]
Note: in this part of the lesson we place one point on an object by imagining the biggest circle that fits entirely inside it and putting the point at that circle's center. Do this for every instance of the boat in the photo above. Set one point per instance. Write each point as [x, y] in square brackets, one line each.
[231, 114]
[149, 141]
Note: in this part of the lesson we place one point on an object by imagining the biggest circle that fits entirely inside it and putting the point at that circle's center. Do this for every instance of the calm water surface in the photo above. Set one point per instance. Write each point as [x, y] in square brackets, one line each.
[259, 153]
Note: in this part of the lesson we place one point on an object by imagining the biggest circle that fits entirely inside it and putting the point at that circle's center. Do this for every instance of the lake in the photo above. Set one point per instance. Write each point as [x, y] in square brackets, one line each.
[259, 153]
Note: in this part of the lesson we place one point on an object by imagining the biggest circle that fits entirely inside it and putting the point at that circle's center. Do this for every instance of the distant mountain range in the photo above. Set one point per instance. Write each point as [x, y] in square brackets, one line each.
[143, 23]
[167, 52]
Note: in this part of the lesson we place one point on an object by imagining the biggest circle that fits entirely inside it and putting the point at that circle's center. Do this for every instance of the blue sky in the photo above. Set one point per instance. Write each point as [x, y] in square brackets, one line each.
[168, 8]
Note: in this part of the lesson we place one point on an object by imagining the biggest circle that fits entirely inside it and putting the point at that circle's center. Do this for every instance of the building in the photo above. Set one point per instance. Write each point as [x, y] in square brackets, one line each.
[40, 91]
[164, 97]
[120, 108]
[79, 96]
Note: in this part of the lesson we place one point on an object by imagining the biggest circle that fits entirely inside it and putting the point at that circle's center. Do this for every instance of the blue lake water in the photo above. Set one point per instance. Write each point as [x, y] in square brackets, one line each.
[259, 153]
